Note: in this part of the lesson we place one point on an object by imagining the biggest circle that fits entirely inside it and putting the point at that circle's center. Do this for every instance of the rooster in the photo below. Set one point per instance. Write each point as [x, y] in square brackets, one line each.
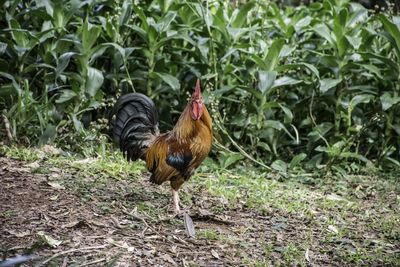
[171, 156]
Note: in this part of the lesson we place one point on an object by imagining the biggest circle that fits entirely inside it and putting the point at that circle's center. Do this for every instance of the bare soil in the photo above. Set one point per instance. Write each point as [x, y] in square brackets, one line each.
[127, 223]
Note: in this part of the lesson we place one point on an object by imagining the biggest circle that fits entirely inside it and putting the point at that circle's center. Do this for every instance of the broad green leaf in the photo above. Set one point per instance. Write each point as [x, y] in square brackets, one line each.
[232, 159]
[277, 125]
[165, 22]
[387, 101]
[287, 51]
[359, 15]
[3, 47]
[320, 131]
[126, 12]
[139, 12]
[100, 49]
[323, 31]
[63, 61]
[355, 156]
[358, 99]
[354, 41]
[373, 69]
[241, 16]
[266, 80]
[169, 79]
[258, 60]
[152, 33]
[47, 4]
[237, 33]
[273, 54]
[339, 31]
[165, 4]
[392, 160]
[385, 60]
[15, 85]
[393, 30]
[396, 20]
[77, 123]
[141, 32]
[168, 39]
[302, 23]
[288, 114]
[94, 81]
[313, 69]
[48, 135]
[59, 18]
[65, 96]
[285, 80]
[396, 128]
[280, 166]
[326, 84]
[90, 33]
[220, 23]
[18, 34]
[296, 160]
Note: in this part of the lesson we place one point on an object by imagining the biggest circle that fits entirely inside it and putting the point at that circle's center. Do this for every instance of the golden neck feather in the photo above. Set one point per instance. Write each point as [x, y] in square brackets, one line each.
[186, 126]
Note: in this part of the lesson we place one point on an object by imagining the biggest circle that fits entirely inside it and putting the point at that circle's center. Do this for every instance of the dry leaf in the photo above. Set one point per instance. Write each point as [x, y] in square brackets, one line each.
[50, 150]
[334, 197]
[307, 255]
[205, 212]
[169, 259]
[279, 237]
[148, 253]
[173, 249]
[33, 165]
[86, 161]
[49, 240]
[215, 254]
[19, 234]
[56, 185]
[120, 244]
[74, 224]
[333, 229]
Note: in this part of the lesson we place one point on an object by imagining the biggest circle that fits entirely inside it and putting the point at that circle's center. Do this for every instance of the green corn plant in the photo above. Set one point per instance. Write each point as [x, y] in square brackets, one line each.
[312, 86]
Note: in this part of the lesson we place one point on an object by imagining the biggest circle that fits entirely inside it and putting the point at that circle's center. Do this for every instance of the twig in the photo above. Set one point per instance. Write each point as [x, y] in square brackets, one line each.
[136, 217]
[116, 223]
[200, 217]
[314, 122]
[70, 251]
[65, 262]
[241, 150]
[7, 127]
[93, 262]
[147, 226]
[139, 218]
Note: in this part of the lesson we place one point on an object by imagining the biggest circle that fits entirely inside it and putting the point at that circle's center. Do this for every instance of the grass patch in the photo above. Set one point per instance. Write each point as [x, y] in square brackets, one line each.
[357, 216]
[353, 220]
[21, 153]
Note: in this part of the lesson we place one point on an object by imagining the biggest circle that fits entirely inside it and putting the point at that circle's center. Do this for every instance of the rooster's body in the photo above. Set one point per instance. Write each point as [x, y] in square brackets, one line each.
[172, 156]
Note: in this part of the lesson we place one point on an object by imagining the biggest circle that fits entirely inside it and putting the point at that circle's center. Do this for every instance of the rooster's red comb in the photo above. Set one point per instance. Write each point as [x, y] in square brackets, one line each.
[197, 90]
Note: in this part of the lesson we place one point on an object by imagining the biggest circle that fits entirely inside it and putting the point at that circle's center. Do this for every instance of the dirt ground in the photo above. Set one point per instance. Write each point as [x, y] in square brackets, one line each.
[30, 205]
[48, 215]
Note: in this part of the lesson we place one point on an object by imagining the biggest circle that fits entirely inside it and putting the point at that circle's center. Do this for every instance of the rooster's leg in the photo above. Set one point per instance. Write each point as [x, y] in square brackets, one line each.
[175, 200]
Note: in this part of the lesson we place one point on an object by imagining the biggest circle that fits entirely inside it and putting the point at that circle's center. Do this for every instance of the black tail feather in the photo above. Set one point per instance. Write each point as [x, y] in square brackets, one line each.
[135, 124]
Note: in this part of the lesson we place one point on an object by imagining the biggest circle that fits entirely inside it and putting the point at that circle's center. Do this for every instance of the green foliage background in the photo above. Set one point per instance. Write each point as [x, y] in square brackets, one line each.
[299, 86]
